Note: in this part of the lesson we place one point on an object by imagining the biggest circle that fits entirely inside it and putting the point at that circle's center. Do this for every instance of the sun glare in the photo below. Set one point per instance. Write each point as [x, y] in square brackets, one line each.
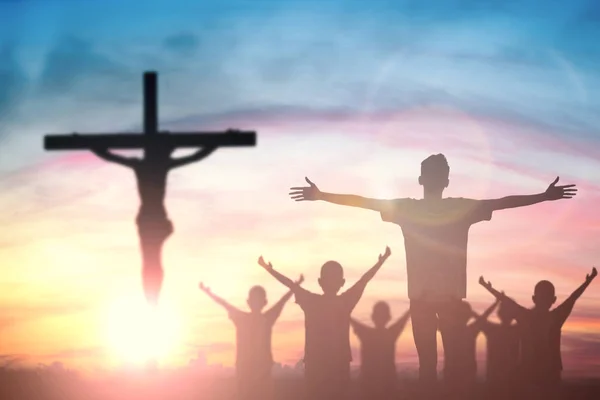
[138, 334]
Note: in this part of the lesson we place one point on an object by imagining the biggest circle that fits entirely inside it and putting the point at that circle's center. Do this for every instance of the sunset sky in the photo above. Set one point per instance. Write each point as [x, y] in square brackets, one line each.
[352, 94]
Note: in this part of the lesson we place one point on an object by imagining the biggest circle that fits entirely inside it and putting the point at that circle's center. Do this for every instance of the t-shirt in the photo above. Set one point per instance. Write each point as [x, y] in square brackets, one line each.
[540, 341]
[377, 352]
[435, 239]
[460, 351]
[253, 341]
[503, 348]
[327, 325]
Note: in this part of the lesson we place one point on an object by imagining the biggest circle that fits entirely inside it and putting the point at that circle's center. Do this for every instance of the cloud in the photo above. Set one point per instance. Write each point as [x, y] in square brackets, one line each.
[182, 43]
[74, 60]
[13, 82]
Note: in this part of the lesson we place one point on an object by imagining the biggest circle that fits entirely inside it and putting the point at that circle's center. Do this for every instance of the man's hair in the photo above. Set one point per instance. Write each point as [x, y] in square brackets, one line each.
[436, 165]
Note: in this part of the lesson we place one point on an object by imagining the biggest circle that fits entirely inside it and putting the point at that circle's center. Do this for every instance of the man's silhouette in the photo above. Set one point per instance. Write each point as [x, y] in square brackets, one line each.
[327, 353]
[435, 237]
[503, 352]
[154, 226]
[540, 327]
[254, 358]
[378, 352]
[460, 346]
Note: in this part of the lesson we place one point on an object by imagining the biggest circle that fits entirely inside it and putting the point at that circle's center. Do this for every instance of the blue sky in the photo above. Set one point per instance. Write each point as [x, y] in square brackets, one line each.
[508, 90]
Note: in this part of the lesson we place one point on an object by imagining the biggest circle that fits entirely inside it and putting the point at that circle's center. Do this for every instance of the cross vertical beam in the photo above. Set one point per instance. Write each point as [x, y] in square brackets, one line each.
[150, 103]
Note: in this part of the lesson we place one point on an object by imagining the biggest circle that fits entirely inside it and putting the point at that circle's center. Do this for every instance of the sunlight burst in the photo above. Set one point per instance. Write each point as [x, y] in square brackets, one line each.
[138, 334]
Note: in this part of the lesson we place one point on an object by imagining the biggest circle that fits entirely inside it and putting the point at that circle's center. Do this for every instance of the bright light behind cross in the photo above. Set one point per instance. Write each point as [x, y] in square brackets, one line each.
[138, 334]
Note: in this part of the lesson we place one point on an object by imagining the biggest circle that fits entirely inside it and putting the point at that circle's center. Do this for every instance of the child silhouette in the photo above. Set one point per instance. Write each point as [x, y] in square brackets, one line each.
[154, 226]
[460, 362]
[503, 350]
[327, 353]
[378, 351]
[540, 327]
[254, 358]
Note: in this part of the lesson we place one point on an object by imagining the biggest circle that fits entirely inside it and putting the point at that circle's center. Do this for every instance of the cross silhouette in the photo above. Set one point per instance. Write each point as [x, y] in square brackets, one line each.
[151, 171]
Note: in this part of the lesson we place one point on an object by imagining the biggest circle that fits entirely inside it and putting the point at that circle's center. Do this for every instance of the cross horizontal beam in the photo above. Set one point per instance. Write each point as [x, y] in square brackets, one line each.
[137, 141]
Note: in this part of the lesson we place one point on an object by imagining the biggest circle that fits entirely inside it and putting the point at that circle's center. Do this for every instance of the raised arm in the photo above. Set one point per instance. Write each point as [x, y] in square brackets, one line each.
[312, 193]
[105, 154]
[280, 277]
[356, 291]
[567, 306]
[217, 299]
[358, 327]
[274, 312]
[500, 295]
[398, 326]
[197, 156]
[553, 192]
[480, 320]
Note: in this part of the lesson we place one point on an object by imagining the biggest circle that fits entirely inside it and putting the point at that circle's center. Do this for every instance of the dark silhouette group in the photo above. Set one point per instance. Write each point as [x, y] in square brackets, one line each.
[523, 351]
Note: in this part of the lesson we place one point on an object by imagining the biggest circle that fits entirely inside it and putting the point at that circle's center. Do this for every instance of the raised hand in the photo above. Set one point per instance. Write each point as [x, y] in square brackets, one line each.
[305, 193]
[384, 256]
[560, 192]
[483, 283]
[262, 263]
[591, 276]
[203, 287]
[300, 280]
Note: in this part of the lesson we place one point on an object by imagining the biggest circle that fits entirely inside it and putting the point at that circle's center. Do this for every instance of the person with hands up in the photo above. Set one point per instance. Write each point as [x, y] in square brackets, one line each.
[327, 318]
[436, 231]
[254, 358]
[540, 328]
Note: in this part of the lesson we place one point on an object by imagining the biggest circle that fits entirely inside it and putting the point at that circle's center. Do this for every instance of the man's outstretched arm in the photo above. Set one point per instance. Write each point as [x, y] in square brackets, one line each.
[106, 155]
[312, 193]
[194, 157]
[553, 192]
[217, 299]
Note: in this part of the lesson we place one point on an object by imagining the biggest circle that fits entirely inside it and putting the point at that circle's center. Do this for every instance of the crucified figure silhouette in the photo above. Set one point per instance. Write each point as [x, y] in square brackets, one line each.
[154, 226]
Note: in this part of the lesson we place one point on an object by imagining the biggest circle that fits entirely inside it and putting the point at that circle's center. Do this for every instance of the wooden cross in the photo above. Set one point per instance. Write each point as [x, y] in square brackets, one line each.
[151, 171]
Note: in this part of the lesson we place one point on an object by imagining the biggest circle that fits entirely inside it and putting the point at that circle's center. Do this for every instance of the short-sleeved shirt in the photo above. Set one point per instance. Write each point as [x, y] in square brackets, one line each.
[253, 341]
[327, 326]
[435, 238]
[503, 350]
[540, 342]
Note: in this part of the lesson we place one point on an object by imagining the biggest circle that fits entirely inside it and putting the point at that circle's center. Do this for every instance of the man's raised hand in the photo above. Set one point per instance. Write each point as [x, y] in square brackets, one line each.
[592, 275]
[305, 193]
[300, 280]
[262, 263]
[555, 192]
[384, 256]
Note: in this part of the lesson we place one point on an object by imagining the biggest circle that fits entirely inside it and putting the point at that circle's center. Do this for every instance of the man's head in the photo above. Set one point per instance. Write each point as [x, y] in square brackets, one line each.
[381, 314]
[543, 295]
[257, 298]
[506, 313]
[332, 277]
[435, 173]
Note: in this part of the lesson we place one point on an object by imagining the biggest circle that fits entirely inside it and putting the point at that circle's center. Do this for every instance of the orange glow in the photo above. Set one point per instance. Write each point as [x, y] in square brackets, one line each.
[137, 334]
